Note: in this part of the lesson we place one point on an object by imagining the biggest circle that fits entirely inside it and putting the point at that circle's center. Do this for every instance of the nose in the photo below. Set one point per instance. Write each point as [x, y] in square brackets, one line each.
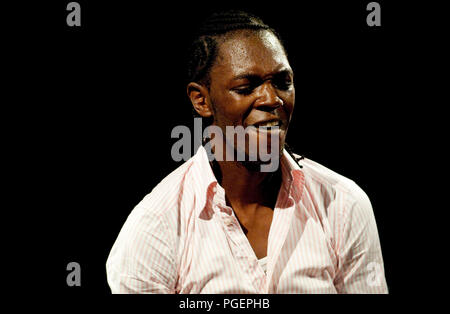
[267, 96]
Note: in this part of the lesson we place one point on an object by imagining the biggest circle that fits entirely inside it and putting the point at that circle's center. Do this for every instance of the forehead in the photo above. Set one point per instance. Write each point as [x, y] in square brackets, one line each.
[259, 53]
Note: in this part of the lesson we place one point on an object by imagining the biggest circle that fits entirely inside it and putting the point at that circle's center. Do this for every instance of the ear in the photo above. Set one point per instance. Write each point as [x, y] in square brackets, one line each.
[198, 94]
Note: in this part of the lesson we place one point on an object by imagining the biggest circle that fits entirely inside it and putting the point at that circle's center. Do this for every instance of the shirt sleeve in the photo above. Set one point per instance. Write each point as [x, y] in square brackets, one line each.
[142, 259]
[361, 268]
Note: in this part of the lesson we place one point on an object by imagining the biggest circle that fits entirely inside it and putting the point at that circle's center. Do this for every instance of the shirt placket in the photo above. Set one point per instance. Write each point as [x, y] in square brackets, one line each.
[279, 230]
[241, 248]
[243, 252]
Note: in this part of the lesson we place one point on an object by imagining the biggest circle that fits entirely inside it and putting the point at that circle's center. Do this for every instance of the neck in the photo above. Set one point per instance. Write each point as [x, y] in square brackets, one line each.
[244, 186]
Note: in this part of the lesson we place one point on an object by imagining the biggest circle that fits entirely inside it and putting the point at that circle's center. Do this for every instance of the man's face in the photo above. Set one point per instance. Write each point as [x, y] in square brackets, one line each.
[251, 84]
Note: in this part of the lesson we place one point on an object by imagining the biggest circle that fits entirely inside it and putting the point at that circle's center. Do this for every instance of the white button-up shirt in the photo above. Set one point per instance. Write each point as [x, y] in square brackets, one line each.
[183, 238]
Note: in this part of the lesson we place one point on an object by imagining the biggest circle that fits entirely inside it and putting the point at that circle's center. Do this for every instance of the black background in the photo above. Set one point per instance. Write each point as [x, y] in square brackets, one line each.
[94, 106]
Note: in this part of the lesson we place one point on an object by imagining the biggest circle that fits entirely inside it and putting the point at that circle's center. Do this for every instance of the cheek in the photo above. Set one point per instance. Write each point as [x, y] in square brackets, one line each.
[289, 103]
[232, 109]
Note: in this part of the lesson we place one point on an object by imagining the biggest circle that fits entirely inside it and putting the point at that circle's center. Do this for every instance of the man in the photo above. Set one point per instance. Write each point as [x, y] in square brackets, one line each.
[225, 226]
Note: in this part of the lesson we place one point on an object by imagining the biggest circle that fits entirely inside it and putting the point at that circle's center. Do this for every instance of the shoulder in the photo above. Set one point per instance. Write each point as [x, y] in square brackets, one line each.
[159, 210]
[167, 193]
[154, 220]
[335, 183]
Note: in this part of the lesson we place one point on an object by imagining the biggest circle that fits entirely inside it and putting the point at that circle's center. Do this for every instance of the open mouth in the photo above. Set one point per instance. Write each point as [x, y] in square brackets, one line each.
[267, 124]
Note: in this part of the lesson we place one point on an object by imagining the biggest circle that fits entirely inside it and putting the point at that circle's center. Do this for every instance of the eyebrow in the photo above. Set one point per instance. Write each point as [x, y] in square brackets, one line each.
[252, 76]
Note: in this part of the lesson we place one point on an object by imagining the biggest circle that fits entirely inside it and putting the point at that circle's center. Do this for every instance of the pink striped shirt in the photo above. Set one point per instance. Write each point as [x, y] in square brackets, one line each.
[183, 238]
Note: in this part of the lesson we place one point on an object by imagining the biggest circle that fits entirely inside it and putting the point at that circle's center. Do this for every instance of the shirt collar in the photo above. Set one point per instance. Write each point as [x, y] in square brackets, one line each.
[212, 193]
[293, 176]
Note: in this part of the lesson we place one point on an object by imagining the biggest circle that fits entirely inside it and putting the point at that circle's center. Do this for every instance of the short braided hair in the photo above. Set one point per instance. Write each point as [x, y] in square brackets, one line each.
[204, 49]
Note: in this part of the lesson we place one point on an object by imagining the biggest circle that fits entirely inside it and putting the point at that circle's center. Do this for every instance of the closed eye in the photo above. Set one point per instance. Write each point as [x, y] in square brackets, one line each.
[282, 82]
[244, 90]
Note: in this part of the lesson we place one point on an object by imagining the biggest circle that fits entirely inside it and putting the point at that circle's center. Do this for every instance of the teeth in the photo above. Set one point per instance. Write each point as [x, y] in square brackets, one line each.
[269, 124]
